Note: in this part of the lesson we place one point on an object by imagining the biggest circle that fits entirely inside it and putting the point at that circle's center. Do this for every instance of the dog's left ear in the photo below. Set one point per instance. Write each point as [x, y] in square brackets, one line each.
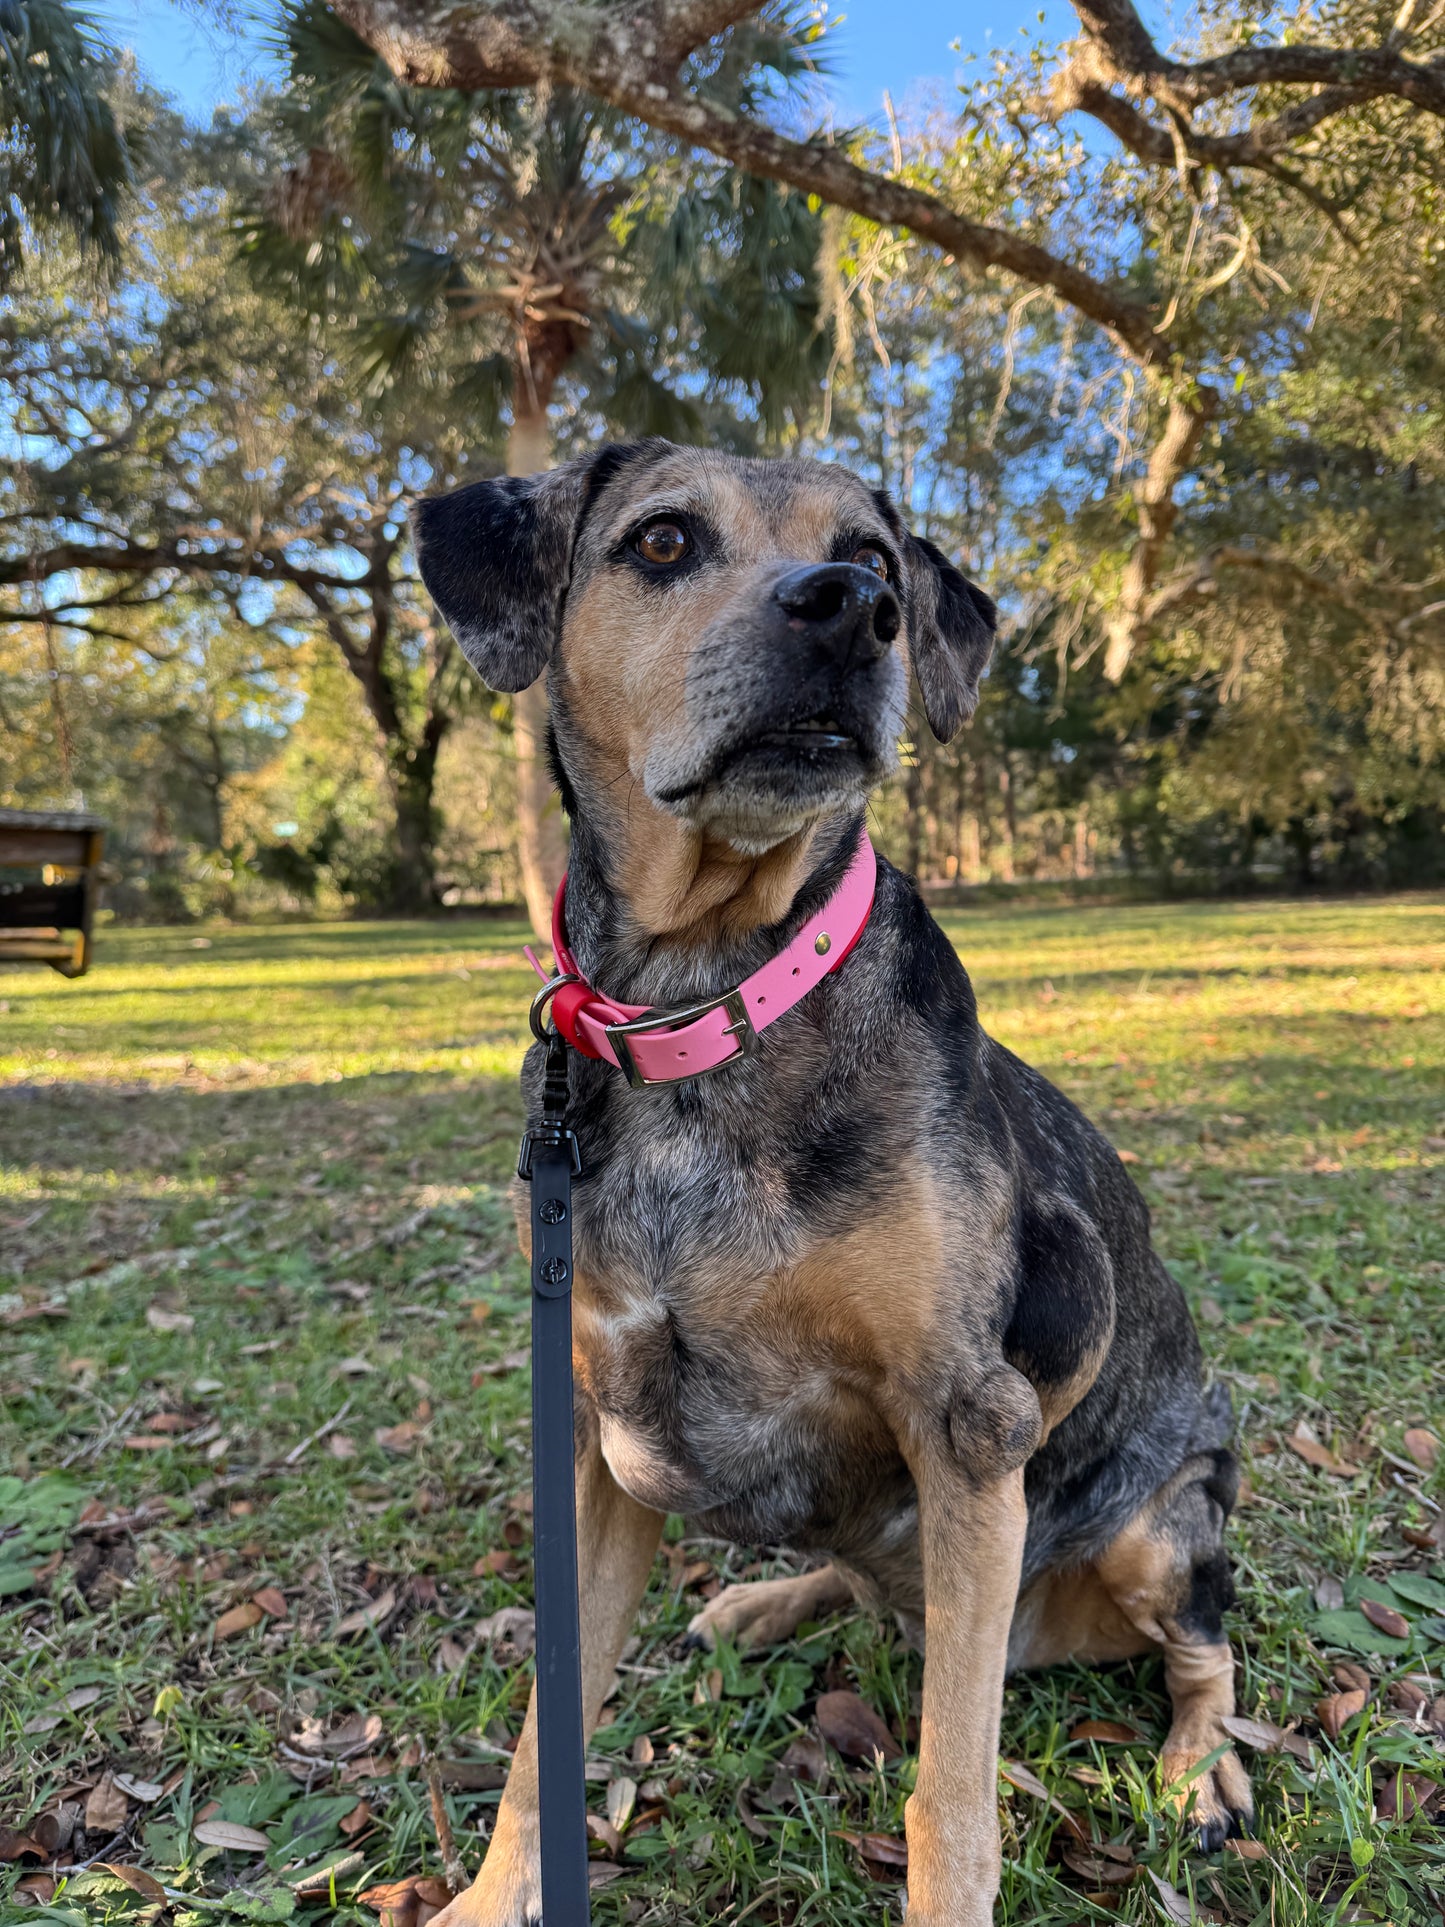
[950, 636]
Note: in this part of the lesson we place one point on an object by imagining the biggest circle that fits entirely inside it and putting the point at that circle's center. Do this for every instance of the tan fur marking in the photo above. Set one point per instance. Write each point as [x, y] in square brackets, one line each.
[769, 1610]
[616, 1540]
[623, 662]
[973, 1540]
[1057, 1401]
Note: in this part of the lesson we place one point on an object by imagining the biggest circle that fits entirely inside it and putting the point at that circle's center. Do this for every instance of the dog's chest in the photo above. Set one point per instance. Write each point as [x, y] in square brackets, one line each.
[716, 1397]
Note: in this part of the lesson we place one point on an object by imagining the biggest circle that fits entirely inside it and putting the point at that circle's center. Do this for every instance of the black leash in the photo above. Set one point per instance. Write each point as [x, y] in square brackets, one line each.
[549, 1160]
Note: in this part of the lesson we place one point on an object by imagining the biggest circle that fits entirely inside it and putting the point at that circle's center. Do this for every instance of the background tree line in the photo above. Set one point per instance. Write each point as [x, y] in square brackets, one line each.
[230, 357]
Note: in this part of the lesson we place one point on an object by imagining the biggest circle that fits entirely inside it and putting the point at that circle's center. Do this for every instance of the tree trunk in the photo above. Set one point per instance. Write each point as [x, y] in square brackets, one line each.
[1006, 849]
[413, 781]
[541, 833]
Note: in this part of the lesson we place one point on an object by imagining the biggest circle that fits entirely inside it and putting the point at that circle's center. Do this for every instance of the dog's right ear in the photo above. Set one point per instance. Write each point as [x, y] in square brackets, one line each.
[495, 557]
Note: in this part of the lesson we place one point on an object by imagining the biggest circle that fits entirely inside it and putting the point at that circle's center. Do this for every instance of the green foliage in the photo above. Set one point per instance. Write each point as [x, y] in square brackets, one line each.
[67, 157]
[36, 1517]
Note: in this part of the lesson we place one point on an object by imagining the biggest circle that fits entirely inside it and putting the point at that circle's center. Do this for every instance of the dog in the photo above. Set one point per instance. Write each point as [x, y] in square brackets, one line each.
[875, 1291]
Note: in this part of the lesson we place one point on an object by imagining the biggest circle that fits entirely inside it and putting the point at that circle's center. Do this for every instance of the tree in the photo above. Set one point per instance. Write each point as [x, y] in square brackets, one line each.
[492, 249]
[188, 441]
[1193, 127]
[66, 159]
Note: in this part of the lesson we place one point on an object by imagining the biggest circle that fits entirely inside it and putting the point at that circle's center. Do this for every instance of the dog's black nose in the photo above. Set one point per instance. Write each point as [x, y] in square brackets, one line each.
[843, 607]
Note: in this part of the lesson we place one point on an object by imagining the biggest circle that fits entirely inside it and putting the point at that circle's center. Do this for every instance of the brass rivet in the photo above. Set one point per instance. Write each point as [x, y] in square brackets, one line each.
[823, 944]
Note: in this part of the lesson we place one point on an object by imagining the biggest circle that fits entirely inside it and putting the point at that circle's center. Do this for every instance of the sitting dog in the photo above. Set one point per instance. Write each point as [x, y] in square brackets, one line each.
[874, 1290]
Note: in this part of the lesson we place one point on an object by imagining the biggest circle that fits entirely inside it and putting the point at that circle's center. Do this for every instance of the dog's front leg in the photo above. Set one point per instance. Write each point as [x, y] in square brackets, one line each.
[616, 1540]
[972, 1531]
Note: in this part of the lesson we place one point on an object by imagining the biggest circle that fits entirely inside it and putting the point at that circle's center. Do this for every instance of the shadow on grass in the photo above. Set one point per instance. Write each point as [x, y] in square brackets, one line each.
[384, 1127]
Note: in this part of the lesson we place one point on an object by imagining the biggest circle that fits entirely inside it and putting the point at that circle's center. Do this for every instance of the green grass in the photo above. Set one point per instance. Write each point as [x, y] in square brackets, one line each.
[299, 1138]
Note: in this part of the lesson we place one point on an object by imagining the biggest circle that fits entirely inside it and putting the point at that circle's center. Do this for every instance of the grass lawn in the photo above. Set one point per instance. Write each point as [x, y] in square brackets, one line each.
[252, 1184]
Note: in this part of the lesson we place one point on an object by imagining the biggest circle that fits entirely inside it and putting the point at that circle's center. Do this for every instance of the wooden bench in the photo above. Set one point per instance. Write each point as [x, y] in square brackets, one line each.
[49, 885]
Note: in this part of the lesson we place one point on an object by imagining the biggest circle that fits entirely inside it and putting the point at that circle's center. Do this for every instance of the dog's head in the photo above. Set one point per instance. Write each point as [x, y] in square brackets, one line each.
[732, 635]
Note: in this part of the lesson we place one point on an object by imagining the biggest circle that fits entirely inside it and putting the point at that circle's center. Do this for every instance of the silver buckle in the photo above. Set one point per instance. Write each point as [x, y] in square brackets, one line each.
[741, 1027]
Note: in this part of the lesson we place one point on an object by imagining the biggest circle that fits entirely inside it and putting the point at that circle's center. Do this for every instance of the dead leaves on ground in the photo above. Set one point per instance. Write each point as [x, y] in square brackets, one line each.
[406, 1903]
[1303, 1443]
[850, 1724]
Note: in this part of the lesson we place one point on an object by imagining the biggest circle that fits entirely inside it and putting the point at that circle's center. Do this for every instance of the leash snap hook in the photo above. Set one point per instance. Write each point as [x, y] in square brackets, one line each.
[544, 997]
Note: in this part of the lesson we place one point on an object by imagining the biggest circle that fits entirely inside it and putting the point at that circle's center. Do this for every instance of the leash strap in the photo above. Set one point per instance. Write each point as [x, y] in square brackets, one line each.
[550, 1160]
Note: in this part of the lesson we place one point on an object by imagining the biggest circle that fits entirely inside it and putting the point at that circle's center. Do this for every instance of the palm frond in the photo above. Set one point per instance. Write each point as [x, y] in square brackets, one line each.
[65, 160]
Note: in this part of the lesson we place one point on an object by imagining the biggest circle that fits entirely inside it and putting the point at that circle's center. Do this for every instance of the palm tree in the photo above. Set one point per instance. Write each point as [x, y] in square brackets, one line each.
[495, 251]
[65, 160]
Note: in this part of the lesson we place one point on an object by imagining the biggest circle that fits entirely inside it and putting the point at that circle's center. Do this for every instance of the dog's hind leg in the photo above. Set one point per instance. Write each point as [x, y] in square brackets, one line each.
[1163, 1583]
[768, 1610]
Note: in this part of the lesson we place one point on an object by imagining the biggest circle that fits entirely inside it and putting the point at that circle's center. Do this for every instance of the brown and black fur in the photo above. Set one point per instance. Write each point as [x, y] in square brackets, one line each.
[880, 1293]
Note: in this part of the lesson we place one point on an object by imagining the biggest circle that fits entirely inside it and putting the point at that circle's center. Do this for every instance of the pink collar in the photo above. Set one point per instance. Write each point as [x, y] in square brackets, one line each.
[664, 1046]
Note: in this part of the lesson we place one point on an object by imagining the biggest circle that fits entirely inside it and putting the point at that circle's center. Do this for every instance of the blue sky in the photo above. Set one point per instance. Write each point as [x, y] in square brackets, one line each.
[882, 44]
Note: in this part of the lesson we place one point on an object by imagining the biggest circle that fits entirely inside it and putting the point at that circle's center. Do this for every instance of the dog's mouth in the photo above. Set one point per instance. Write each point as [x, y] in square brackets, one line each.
[813, 733]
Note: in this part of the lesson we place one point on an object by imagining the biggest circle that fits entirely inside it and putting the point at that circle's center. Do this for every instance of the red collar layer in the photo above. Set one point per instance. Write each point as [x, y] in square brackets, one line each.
[666, 1045]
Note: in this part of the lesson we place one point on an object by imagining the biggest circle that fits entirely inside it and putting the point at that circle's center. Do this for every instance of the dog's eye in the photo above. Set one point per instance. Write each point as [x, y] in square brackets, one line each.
[870, 558]
[662, 543]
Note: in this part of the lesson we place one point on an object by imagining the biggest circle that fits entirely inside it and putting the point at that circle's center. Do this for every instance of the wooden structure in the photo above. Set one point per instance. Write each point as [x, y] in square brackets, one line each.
[49, 885]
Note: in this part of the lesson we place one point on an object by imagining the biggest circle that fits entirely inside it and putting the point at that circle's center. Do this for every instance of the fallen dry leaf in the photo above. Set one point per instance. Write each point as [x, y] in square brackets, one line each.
[1265, 1737]
[603, 1830]
[1403, 1795]
[398, 1438]
[806, 1759]
[239, 1619]
[1329, 1594]
[359, 1816]
[39, 1887]
[341, 1445]
[137, 1879]
[106, 1807]
[161, 1320]
[354, 1367]
[1335, 1710]
[1176, 1905]
[1247, 1849]
[272, 1602]
[1305, 1446]
[1385, 1618]
[621, 1799]
[643, 1751]
[511, 1632]
[746, 1811]
[395, 1901]
[852, 1726]
[230, 1835]
[451, 1654]
[1349, 1677]
[1099, 1869]
[47, 1721]
[881, 1848]
[146, 1791]
[1029, 1782]
[20, 1846]
[375, 1613]
[356, 1733]
[1113, 1730]
[1423, 1447]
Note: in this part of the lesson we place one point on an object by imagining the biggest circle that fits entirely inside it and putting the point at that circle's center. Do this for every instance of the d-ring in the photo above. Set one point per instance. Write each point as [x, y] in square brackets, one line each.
[544, 997]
